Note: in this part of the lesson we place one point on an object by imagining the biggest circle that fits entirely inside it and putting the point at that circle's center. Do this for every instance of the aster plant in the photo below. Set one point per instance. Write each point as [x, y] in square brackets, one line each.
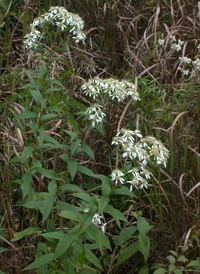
[56, 17]
[141, 153]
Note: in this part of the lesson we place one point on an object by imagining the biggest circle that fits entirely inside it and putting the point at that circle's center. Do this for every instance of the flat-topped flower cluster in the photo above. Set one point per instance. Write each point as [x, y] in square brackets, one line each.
[110, 89]
[59, 17]
[147, 149]
[114, 89]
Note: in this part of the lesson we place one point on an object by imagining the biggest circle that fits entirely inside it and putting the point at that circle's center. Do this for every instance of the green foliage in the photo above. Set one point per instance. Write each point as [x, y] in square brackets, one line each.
[59, 205]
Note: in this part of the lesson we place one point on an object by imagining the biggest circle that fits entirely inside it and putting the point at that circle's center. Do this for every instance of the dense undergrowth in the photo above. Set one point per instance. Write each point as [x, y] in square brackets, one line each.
[100, 126]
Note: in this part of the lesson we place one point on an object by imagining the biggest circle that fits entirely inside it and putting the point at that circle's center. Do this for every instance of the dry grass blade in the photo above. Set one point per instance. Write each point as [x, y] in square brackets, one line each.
[20, 138]
[194, 187]
[54, 127]
[174, 124]
[9, 243]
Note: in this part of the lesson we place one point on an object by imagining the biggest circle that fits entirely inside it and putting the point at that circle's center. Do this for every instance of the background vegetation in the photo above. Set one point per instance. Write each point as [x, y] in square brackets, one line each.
[122, 43]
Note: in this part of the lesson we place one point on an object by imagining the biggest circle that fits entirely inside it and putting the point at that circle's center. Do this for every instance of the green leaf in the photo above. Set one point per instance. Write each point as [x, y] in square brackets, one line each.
[69, 266]
[143, 225]
[144, 270]
[26, 115]
[28, 151]
[15, 159]
[171, 267]
[1, 272]
[58, 235]
[52, 187]
[49, 146]
[33, 85]
[173, 253]
[2, 249]
[106, 185]
[117, 215]
[51, 140]
[88, 270]
[73, 121]
[194, 263]
[127, 253]
[123, 190]
[31, 79]
[125, 235]
[71, 187]
[182, 258]
[47, 173]
[41, 135]
[144, 246]
[46, 206]
[100, 129]
[45, 259]
[48, 116]
[80, 253]
[43, 247]
[83, 196]
[33, 126]
[66, 206]
[102, 203]
[49, 90]
[71, 215]
[26, 232]
[74, 146]
[88, 151]
[87, 171]
[31, 204]
[36, 163]
[160, 271]
[92, 258]
[72, 134]
[100, 238]
[64, 244]
[171, 259]
[53, 81]
[37, 96]
[26, 184]
[42, 70]
[72, 166]
[64, 157]
[177, 271]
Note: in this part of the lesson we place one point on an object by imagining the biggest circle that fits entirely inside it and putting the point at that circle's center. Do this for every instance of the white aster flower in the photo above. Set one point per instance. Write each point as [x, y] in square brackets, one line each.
[96, 114]
[175, 47]
[185, 60]
[115, 141]
[145, 172]
[103, 227]
[135, 182]
[126, 135]
[185, 72]
[196, 64]
[173, 38]
[134, 171]
[116, 176]
[97, 219]
[143, 183]
[161, 42]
